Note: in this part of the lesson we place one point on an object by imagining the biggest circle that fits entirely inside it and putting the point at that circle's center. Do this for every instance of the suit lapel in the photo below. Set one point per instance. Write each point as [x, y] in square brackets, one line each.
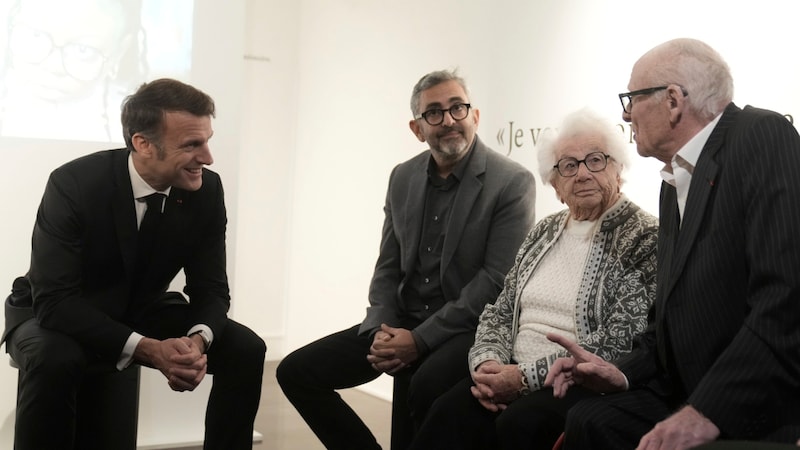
[415, 207]
[124, 212]
[701, 189]
[468, 190]
[174, 219]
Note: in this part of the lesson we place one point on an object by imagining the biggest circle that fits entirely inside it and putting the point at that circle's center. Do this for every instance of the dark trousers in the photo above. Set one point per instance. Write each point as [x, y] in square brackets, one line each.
[54, 365]
[615, 420]
[620, 420]
[456, 421]
[310, 376]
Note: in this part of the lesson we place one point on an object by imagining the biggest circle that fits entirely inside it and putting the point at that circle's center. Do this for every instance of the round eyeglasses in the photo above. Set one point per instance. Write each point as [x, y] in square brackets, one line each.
[435, 116]
[82, 62]
[595, 162]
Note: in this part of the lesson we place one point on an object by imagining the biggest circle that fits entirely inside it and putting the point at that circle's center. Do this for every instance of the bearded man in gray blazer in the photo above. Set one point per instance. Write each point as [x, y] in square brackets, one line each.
[455, 216]
[720, 359]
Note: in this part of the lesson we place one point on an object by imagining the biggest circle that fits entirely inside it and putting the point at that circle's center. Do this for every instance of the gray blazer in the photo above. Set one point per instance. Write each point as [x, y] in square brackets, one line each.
[492, 212]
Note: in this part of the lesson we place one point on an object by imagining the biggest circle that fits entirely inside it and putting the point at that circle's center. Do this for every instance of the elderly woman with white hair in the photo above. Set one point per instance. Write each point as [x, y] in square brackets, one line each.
[587, 273]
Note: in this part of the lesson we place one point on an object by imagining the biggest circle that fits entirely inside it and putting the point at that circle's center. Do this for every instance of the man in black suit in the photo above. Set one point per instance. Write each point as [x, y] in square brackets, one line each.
[455, 216]
[95, 293]
[721, 356]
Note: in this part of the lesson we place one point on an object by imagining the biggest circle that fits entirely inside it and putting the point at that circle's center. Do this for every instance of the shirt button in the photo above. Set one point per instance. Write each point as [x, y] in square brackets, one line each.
[427, 280]
[429, 249]
[435, 218]
[427, 307]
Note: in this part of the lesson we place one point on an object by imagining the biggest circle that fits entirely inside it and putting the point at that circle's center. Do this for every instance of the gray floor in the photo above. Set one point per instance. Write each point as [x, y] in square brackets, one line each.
[284, 429]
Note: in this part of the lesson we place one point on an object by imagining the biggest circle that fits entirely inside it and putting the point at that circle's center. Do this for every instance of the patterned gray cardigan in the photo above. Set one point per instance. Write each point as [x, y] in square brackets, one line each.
[617, 289]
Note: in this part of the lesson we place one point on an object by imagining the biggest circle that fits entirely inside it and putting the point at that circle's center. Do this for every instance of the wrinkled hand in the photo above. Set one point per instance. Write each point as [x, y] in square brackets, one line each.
[392, 350]
[496, 385]
[584, 368]
[685, 429]
[179, 359]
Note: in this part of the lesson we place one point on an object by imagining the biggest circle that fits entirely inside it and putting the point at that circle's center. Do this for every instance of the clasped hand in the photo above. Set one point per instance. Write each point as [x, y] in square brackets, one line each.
[392, 350]
[496, 385]
[181, 360]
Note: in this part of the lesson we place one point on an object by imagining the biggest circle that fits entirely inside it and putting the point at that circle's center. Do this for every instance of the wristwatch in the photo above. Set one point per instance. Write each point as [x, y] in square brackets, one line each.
[204, 336]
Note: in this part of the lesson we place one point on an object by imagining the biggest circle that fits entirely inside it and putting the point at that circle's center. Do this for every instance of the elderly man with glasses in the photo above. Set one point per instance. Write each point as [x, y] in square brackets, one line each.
[720, 359]
[455, 214]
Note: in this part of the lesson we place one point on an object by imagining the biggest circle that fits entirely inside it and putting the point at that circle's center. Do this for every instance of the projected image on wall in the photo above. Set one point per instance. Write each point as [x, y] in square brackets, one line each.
[65, 66]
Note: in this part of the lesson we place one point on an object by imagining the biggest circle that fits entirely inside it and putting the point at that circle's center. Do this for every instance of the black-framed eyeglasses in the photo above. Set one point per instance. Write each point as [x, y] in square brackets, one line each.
[595, 162]
[81, 61]
[626, 97]
[435, 116]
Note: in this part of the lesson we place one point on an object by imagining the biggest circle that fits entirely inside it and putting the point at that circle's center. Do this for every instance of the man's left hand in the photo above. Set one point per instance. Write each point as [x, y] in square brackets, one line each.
[685, 429]
[392, 350]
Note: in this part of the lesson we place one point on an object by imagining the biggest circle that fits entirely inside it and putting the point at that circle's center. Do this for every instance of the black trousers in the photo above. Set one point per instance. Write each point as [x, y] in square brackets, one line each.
[456, 421]
[310, 376]
[54, 364]
[620, 420]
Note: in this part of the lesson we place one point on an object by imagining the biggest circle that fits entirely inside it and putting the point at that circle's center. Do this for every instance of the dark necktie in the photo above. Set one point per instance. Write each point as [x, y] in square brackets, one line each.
[148, 229]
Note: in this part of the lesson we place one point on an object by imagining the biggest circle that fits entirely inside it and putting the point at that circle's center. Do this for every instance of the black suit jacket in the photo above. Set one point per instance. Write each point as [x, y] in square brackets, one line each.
[724, 332]
[490, 216]
[81, 275]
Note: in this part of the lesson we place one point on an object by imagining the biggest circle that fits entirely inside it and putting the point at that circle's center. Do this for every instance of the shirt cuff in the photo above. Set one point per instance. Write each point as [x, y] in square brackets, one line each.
[205, 333]
[126, 357]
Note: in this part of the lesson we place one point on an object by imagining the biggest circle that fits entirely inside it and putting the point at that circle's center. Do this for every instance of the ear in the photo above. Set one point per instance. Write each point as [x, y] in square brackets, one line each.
[476, 114]
[677, 103]
[143, 146]
[558, 191]
[415, 128]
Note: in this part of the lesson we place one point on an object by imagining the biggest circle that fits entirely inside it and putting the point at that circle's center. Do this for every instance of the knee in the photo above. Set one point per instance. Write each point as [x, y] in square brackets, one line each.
[509, 424]
[290, 369]
[240, 347]
[255, 348]
[250, 346]
[582, 416]
[284, 370]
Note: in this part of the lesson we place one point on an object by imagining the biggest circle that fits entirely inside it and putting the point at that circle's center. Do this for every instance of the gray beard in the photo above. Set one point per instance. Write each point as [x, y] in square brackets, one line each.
[452, 149]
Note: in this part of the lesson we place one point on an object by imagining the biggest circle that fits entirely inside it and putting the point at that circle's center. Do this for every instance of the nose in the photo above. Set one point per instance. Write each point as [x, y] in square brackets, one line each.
[204, 156]
[626, 116]
[583, 170]
[447, 119]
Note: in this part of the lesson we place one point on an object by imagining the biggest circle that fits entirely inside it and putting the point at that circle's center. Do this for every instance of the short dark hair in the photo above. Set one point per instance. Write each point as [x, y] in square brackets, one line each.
[434, 79]
[143, 112]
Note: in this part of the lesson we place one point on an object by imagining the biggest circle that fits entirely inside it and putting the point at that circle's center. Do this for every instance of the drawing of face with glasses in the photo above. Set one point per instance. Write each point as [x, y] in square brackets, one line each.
[63, 49]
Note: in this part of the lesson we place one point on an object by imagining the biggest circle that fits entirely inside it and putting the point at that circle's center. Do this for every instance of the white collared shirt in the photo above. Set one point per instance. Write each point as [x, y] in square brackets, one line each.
[679, 172]
[141, 190]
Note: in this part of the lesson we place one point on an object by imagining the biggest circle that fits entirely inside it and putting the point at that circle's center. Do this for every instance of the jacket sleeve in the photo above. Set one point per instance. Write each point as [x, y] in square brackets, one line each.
[57, 258]
[383, 289]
